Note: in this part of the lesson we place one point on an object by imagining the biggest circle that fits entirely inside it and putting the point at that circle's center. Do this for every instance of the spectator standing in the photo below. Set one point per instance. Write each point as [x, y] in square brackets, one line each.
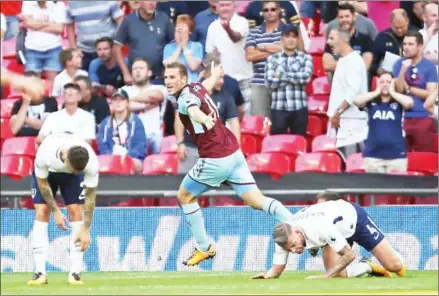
[346, 122]
[146, 31]
[416, 77]
[150, 103]
[183, 50]
[359, 42]
[11, 10]
[187, 150]
[104, 71]
[227, 36]
[71, 61]
[362, 24]
[385, 148]
[44, 21]
[93, 19]
[28, 114]
[202, 22]
[254, 13]
[390, 40]
[287, 74]
[414, 10]
[262, 42]
[70, 119]
[122, 133]
[173, 8]
[96, 105]
[430, 32]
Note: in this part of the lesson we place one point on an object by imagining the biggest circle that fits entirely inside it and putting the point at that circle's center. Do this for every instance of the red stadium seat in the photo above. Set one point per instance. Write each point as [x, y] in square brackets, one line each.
[313, 129]
[321, 86]
[15, 166]
[323, 143]
[425, 162]
[9, 49]
[249, 144]
[354, 163]
[13, 66]
[374, 82]
[94, 145]
[137, 202]
[318, 104]
[317, 45]
[24, 146]
[319, 162]
[6, 107]
[169, 145]
[5, 132]
[257, 126]
[435, 143]
[275, 164]
[290, 145]
[318, 70]
[225, 201]
[157, 164]
[116, 165]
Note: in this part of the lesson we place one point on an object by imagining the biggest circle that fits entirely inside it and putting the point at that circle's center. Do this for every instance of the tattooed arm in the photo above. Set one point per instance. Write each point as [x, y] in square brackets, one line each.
[89, 206]
[46, 192]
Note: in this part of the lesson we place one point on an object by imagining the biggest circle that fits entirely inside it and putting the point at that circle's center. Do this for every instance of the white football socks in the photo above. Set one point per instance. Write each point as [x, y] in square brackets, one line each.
[358, 269]
[40, 244]
[76, 256]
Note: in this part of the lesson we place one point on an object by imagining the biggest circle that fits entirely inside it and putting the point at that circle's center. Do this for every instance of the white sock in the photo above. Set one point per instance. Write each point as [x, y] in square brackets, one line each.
[358, 269]
[40, 244]
[76, 256]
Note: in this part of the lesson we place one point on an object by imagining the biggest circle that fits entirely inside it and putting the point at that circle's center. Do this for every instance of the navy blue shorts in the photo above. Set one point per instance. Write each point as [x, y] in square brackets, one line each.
[367, 234]
[70, 185]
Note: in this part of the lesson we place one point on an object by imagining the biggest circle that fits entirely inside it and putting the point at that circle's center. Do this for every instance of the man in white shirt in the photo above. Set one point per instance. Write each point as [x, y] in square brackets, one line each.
[430, 32]
[149, 101]
[227, 36]
[71, 60]
[71, 119]
[346, 122]
[334, 225]
[66, 162]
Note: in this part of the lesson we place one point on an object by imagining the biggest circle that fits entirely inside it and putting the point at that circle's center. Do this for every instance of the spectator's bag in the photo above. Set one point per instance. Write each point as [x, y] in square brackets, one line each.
[19, 46]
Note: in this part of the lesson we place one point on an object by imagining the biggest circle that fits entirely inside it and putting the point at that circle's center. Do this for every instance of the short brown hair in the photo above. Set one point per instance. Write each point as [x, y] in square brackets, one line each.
[417, 35]
[78, 157]
[181, 68]
[84, 79]
[67, 55]
[346, 6]
[186, 19]
[328, 195]
[141, 60]
[281, 233]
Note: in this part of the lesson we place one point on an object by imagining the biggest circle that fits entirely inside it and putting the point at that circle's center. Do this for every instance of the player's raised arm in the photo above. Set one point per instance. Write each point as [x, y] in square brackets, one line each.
[216, 73]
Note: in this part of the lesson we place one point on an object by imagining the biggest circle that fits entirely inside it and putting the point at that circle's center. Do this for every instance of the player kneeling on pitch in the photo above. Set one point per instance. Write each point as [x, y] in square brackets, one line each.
[334, 225]
[70, 164]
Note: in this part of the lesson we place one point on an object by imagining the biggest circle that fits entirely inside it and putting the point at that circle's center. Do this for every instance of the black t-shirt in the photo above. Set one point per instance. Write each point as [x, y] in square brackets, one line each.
[98, 106]
[359, 42]
[111, 76]
[232, 86]
[35, 111]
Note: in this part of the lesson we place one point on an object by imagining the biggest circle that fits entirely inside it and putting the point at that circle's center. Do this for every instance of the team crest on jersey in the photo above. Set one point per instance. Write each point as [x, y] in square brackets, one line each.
[394, 106]
[332, 239]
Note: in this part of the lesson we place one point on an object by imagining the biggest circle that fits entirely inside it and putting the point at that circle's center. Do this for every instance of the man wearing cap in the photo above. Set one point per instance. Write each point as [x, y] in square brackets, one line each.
[122, 133]
[287, 74]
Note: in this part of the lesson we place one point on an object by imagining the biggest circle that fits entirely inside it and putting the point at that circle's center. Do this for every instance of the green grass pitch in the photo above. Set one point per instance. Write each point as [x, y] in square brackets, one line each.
[180, 283]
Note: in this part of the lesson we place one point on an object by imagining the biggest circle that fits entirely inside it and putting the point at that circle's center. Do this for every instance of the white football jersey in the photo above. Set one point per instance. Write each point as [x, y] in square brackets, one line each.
[48, 158]
[325, 223]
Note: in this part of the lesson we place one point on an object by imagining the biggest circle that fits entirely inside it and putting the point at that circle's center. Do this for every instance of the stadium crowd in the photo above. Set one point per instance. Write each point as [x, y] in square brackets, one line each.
[332, 85]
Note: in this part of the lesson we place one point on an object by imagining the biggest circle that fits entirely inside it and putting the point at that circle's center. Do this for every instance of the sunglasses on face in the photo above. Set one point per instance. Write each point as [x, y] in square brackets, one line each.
[269, 9]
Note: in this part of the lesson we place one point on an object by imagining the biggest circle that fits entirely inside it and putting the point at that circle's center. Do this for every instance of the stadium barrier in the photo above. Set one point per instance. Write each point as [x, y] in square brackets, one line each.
[158, 239]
